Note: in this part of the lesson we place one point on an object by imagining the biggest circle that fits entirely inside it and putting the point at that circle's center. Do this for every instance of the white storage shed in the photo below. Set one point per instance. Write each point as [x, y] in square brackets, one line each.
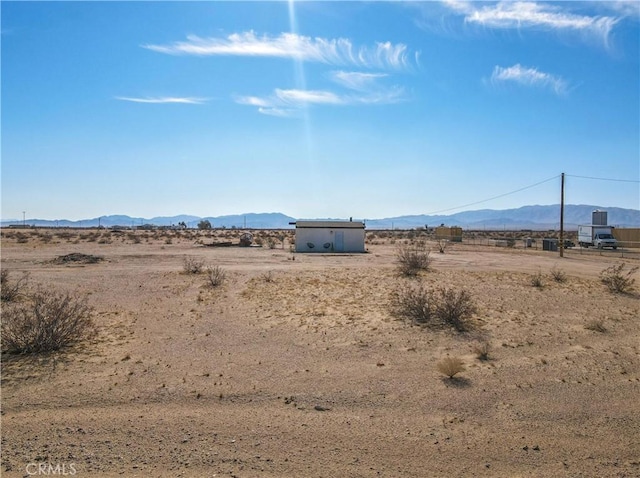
[329, 236]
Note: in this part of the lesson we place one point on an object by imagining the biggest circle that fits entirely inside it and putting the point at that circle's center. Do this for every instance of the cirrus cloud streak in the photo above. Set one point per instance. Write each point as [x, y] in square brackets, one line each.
[340, 51]
[189, 100]
[528, 77]
[527, 14]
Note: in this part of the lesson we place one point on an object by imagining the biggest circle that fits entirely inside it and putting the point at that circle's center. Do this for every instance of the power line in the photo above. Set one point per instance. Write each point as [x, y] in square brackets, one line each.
[495, 197]
[605, 179]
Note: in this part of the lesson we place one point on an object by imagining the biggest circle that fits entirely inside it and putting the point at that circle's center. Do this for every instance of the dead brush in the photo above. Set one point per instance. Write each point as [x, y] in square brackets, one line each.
[455, 308]
[450, 366]
[596, 325]
[617, 280]
[10, 290]
[482, 351]
[45, 321]
[416, 303]
[537, 280]
[558, 275]
[413, 258]
[192, 265]
[216, 276]
[438, 307]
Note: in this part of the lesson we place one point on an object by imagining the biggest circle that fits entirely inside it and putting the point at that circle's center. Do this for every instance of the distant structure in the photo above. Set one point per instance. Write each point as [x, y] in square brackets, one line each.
[330, 236]
[453, 233]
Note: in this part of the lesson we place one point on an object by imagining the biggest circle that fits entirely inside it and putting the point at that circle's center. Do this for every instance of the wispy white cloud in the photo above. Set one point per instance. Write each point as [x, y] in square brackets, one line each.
[340, 51]
[253, 101]
[280, 112]
[527, 14]
[164, 100]
[528, 77]
[356, 80]
[625, 8]
[305, 97]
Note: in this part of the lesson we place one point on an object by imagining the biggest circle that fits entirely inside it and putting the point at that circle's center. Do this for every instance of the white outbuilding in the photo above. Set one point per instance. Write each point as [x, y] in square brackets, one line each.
[329, 236]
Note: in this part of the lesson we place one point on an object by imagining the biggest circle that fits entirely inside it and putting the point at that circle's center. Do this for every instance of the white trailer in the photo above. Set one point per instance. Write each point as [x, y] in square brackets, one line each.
[597, 236]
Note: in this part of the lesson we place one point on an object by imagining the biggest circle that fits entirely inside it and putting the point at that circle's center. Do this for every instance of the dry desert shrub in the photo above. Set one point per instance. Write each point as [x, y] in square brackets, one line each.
[537, 280]
[618, 281]
[216, 276]
[267, 276]
[416, 303]
[413, 258]
[22, 238]
[482, 351]
[442, 306]
[450, 366]
[46, 321]
[192, 265]
[597, 325]
[558, 275]
[455, 308]
[9, 290]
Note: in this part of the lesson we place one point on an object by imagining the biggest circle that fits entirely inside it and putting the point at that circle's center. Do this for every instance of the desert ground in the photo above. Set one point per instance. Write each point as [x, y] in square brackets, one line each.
[297, 366]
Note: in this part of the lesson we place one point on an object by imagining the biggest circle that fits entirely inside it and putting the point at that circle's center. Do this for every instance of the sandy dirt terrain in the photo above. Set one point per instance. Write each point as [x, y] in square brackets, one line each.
[296, 367]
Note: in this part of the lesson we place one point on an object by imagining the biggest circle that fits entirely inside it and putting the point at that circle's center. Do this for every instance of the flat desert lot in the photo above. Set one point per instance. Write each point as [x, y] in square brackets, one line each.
[296, 367]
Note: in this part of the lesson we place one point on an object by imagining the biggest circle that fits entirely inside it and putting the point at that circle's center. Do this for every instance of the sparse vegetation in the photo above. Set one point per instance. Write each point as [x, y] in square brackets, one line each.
[597, 325]
[45, 321]
[617, 280]
[11, 291]
[442, 245]
[78, 258]
[455, 308]
[537, 280]
[558, 275]
[267, 276]
[416, 303]
[192, 265]
[443, 306]
[482, 351]
[413, 258]
[450, 366]
[216, 276]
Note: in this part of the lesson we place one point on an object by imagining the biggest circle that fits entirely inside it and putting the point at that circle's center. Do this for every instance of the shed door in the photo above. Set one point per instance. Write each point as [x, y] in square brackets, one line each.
[338, 241]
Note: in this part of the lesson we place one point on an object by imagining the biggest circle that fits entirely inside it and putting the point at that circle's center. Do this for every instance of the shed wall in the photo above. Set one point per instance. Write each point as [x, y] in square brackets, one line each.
[328, 240]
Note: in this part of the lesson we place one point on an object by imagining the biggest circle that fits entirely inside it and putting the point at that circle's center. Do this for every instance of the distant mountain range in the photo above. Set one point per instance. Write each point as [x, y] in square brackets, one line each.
[526, 217]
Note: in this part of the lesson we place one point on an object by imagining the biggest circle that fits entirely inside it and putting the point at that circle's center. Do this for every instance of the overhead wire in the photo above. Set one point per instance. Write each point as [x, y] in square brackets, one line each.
[604, 179]
[494, 197]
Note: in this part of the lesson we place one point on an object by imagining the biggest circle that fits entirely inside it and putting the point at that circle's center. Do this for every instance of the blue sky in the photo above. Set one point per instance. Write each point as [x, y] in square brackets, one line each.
[316, 109]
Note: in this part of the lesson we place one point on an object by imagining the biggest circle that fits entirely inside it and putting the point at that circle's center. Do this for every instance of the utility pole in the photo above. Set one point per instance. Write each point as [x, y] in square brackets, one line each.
[24, 221]
[562, 215]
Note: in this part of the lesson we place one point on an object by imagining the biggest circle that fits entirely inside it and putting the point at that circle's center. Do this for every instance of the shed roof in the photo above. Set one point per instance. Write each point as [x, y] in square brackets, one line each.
[330, 224]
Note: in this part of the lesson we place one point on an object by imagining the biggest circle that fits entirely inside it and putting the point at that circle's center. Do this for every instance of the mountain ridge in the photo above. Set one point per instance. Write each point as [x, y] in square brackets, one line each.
[525, 217]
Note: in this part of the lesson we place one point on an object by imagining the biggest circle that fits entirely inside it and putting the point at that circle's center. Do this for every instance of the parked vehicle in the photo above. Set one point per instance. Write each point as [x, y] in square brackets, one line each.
[596, 236]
